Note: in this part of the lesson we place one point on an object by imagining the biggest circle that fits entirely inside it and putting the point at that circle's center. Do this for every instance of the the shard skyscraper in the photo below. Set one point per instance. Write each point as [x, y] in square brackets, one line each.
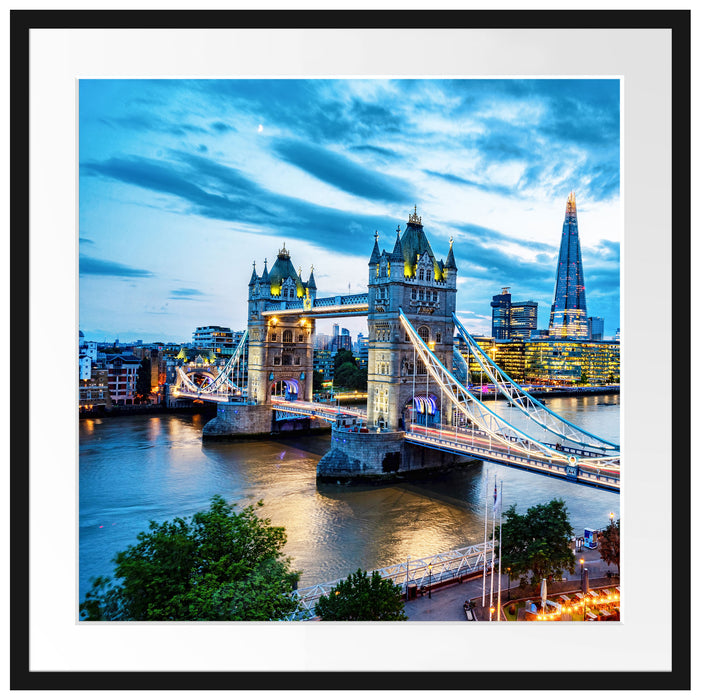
[569, 311]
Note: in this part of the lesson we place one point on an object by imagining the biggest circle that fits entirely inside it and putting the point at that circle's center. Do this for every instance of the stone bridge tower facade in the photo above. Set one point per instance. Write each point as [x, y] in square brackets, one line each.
[409, 277]
[280, 347]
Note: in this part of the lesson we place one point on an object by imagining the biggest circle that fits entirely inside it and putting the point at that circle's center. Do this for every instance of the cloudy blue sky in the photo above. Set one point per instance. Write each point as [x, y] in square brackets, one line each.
[184, 183]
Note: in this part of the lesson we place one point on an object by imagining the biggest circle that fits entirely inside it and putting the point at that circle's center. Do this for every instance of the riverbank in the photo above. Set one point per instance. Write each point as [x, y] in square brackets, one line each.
[205, 409]
[445, 604]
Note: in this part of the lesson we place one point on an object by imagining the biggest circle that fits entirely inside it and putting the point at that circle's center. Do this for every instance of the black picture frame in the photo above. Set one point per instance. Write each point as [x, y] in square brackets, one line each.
[21, 23]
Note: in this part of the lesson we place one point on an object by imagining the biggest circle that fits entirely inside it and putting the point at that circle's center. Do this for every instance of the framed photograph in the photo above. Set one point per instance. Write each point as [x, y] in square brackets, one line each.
[188, 184]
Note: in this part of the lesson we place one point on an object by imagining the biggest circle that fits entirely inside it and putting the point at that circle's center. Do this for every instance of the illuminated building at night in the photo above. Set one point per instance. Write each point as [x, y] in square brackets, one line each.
[569, 310]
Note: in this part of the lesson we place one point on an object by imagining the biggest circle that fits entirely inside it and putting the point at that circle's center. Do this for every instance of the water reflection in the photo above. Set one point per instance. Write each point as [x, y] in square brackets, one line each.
[136, 469]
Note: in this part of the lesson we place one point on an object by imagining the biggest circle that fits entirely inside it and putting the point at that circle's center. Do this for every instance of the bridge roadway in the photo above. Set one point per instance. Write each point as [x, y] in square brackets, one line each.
[473, 443]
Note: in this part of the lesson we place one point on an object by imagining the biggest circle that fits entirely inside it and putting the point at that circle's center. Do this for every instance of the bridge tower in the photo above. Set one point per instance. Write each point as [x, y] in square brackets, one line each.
[280, 348]
[424, 287]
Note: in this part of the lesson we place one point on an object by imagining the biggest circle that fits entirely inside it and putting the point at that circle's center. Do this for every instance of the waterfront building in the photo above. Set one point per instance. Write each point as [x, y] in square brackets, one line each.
[122, 377]
[568, 362]
[569, 310]
[93, 390]
[596, 327]
[548, 361]
[412, 278]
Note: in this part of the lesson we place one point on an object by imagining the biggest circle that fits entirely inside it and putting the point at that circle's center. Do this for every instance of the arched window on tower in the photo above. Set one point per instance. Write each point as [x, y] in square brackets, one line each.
[424, 334]
[288, 336]
[438, 336]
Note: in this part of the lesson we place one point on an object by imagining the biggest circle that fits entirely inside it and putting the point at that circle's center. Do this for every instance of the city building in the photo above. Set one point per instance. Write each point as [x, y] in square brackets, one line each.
[569, 310]
[324, 362]
[93, 392]
[512, 319]
[342, 340]
[122, 377]
[523, 317]
[216, 338]
[569, 362]
[501, 306]
[362, 351]
[548, 361]
[596, 327]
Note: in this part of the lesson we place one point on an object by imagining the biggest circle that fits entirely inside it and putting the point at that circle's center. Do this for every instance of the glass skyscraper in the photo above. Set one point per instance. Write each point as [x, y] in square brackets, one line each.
[569, 311]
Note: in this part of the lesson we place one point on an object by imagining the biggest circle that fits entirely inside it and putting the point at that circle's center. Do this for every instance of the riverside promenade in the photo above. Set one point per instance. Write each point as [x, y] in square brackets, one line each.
[445, 604]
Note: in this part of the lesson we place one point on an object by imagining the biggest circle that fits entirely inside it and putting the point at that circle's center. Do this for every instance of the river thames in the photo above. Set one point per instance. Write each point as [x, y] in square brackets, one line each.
[134, 469]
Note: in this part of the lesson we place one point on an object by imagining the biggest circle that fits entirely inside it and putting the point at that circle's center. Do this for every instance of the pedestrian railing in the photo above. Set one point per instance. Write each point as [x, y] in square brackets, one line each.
[421, 572]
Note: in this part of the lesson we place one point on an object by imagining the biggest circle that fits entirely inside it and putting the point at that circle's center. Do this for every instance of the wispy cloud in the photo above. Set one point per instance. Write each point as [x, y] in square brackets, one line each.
[186, 294]
[107, 268]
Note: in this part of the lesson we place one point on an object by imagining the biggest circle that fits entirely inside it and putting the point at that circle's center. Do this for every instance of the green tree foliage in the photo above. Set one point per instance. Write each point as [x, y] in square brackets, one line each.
[608, 544]
[537, 543]
[143, 387]
[347, 373]
[362, 597]
[221, 565]
[317, 380]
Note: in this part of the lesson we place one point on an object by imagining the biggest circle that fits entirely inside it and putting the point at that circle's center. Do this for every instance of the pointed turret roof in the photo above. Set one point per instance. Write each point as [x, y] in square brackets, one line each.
[414, 242]
[311, 284]
[264, 279]
[374, 258]
[253, 279]
[450, 262]
[282, 269]
[397, 255]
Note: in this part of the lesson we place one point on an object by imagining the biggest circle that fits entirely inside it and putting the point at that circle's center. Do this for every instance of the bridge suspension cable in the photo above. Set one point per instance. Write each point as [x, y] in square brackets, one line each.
[494, 426]
[528, 405]
[226, 377]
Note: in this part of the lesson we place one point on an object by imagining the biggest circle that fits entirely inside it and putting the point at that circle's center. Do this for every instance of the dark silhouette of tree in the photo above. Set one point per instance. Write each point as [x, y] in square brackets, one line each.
[362, 597]
[537, 543]
[220, 565]
[143, 386]
[608, 544]
[347, 373]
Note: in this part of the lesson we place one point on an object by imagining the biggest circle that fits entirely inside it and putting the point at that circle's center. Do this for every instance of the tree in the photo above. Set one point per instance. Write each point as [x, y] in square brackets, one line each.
[222, 565]
[143, 386]
[347, 373]
[608, 544]
[537, 543]
[317, 380]
[362, 597]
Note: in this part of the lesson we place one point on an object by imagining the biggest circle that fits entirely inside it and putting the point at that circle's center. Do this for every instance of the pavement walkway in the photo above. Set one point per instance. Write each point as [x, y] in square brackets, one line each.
[446, 604]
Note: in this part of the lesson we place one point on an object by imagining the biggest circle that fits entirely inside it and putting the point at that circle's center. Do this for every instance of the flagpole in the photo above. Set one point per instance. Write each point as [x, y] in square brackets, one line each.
[499, 584]
[494, 507]
[484, 545]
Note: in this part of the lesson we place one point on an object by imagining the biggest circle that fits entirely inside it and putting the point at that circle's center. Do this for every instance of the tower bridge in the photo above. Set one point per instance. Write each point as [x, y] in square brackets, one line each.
[420, 414]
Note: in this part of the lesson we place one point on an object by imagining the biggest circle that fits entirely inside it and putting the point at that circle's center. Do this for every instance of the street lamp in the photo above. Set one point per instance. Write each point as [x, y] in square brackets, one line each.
[582, 562]
[509, 583]
[430, 568]
[491, 613]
